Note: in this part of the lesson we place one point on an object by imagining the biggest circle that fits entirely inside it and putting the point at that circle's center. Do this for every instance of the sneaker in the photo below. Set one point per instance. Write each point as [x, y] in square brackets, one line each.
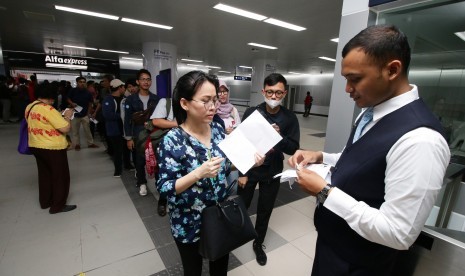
[77, 147]
[259, 253]
[93, 146]
[143, 190]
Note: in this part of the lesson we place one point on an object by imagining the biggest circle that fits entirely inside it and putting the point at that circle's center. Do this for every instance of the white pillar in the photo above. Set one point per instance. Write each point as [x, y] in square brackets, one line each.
[261, 69]
[342, 108]
[157, 57]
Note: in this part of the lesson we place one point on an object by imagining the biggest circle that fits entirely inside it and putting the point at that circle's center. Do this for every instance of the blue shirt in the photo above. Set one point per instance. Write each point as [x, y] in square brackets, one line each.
[176, 158]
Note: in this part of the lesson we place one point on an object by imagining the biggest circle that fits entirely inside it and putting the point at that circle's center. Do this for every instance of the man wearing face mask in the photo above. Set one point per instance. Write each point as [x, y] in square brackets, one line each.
[286, 124]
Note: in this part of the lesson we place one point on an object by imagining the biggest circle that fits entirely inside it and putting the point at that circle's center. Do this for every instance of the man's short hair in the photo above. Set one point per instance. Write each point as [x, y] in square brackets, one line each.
[273, 79]
[80, 78]
[131, 82]
[382, 43]
[143, 71]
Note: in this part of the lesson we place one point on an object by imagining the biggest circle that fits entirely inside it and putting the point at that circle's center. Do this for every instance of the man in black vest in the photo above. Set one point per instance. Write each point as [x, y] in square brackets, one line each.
[386, 180]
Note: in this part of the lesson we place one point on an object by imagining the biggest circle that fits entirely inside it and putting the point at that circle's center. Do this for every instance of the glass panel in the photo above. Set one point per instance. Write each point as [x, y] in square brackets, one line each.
[438, 69]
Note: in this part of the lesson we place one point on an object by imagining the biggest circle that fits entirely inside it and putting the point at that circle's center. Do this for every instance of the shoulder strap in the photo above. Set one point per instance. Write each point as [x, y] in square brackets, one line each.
[168, 106]
[265, 114]
[29, 111]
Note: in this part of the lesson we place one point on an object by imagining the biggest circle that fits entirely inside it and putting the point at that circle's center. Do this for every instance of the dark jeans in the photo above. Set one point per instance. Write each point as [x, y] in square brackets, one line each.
[127, 156]
[140, 168]
[307, 110]
[267, 193]
[192, 261]
[54, 179]
[117, 143]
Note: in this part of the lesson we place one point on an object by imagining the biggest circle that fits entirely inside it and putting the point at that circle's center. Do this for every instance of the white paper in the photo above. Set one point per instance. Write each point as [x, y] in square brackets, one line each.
[291, 174]
[78, 108]
[63, 113]
[254, 134]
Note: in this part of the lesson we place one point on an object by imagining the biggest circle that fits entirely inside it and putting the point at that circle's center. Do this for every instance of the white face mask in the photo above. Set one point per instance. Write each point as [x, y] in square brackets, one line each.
[273, 103]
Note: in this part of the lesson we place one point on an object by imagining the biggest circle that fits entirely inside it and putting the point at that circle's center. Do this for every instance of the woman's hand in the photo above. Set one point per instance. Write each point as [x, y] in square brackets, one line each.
[209, 169]
[229, 130]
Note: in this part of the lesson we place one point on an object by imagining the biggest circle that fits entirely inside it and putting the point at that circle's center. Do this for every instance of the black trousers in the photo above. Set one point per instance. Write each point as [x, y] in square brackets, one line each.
[192, 261]
[267, 193]
[117, 144]
[54, 179]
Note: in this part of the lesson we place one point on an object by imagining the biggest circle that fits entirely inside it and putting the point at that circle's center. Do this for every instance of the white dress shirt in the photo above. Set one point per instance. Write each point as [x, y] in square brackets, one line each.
[415, 169]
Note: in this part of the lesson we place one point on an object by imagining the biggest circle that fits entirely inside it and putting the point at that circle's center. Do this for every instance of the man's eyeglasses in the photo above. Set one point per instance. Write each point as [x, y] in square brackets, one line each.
[148, 79]
[221, 92]
[207, 105]
[270, 93]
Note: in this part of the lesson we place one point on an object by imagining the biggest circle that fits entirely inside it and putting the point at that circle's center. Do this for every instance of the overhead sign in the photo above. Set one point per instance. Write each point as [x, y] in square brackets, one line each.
[65, 62]
[242, 78]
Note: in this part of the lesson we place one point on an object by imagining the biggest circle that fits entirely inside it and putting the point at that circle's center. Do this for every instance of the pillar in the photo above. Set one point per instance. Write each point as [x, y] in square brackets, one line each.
[261, 69]
[158, 57]
[342, 109]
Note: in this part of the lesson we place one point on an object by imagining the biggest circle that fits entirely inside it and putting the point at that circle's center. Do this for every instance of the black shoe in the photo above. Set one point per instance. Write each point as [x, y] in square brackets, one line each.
[129, 168]
[259, 253]
[161, 210]
[66, 208]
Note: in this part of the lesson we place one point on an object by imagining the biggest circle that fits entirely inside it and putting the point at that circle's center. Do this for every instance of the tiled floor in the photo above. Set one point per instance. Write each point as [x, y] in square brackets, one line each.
[114, 231]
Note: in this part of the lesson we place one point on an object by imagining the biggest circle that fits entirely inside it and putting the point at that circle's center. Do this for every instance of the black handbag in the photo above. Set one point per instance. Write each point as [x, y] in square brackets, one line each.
[225, 227]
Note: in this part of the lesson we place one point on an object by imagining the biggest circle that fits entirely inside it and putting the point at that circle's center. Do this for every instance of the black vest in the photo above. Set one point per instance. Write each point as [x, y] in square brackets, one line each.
[360, 172]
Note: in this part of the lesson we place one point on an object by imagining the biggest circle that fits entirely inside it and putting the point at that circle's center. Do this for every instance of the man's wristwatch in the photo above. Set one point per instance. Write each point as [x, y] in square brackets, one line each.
[323, 194]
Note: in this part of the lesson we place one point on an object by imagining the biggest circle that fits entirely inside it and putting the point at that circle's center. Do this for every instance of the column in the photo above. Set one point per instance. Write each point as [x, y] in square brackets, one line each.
[342, 109]
[261, 69]
[161, 60]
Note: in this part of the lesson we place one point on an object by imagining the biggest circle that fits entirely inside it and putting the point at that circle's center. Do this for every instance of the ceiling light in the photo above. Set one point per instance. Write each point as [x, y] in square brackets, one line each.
[461, 35]
[247, 67]
[113, 51]
[67, 66]
[262, 45]
[335, 40]
[80, 47]
[214, 67]
[146, 23]
[130, 58]
[327, 58]
[227, 72]
[102, 15]
[295, 73]
[284, 24]
[191, 60]
[240, 12]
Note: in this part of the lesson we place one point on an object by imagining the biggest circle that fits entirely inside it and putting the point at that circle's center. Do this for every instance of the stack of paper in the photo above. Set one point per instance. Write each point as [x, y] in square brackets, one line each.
[291, 174]
[254, 134]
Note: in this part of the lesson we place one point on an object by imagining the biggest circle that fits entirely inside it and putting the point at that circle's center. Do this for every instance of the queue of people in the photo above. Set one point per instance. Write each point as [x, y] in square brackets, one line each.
[389, 197]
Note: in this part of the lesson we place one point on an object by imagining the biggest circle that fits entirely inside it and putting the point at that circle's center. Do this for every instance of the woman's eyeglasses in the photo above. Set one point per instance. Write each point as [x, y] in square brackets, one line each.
[207, 105]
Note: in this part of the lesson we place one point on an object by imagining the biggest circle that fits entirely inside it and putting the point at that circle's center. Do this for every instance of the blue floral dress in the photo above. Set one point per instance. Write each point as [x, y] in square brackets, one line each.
[176, 158]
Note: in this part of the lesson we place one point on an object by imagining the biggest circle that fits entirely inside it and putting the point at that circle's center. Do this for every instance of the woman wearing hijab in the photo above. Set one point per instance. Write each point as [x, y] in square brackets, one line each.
[226, 110]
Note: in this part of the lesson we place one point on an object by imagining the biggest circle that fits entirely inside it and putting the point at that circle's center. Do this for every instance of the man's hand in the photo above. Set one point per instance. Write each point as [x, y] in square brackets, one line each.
[241, 181]
[302, 158]
[310, 181]
[130, 144]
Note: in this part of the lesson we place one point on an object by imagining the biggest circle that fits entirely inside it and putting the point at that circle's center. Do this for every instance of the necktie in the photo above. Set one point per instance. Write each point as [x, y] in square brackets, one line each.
[366, 118]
